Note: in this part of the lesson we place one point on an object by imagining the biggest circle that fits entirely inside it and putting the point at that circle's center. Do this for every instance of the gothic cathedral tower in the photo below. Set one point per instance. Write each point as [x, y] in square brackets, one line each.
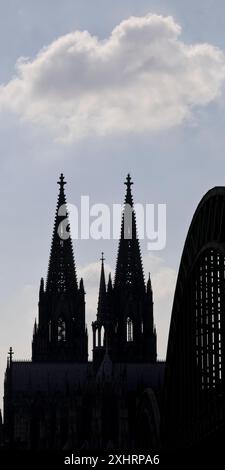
[125, 323]
[61, 334]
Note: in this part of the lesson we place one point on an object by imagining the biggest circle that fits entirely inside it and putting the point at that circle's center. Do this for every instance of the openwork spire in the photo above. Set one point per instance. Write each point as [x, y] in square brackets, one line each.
[102, 290]
[61, 276]
[129, 272]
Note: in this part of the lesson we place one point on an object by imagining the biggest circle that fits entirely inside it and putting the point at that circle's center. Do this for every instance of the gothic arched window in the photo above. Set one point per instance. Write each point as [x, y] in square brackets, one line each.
[129, 330]
[61, 330]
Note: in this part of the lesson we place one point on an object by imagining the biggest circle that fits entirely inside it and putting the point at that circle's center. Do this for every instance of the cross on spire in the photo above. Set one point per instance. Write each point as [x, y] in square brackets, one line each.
[128, 181]
[10, 353]
[102, 259]
[128, 197]
[61, 181]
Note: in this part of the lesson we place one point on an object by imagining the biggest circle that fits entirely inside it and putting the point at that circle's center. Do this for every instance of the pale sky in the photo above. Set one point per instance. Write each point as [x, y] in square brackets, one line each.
[108, 94]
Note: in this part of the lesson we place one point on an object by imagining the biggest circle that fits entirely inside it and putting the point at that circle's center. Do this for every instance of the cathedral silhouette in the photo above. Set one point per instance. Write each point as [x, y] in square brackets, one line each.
[124, 398]
[59, 399]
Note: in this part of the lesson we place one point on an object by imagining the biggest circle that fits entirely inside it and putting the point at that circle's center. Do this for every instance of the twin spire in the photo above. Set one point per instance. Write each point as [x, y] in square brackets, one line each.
[61, 276]
[129, 271]
[61, 334]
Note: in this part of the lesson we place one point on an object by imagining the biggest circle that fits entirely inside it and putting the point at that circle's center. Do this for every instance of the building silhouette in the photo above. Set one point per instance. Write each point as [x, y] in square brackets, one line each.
[59, 399]
[124, 399]
[61, 333]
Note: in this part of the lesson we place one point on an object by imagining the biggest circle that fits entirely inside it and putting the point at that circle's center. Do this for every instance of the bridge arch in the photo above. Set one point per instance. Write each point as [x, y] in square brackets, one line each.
[194, 406]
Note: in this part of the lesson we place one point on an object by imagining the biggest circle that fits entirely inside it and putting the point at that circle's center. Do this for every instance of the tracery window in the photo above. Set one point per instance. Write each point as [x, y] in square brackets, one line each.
[61, 330]
[129, 330]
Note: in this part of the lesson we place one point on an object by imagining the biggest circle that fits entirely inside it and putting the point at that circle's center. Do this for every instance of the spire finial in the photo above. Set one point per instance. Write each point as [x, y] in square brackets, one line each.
[82, 285]
[149, 284]
[128, 181]
[109, 287]
[102, 289]
[41, 290]
[35, 327]
[61, 181]
[10, 353]
[128, 197]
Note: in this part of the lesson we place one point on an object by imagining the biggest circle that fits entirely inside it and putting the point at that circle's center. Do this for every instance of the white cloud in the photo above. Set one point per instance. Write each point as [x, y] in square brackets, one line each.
[142, 78]
[163, 277]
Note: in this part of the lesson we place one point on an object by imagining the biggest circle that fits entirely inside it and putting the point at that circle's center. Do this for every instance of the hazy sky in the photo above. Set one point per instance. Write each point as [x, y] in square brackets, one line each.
[89, 91]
